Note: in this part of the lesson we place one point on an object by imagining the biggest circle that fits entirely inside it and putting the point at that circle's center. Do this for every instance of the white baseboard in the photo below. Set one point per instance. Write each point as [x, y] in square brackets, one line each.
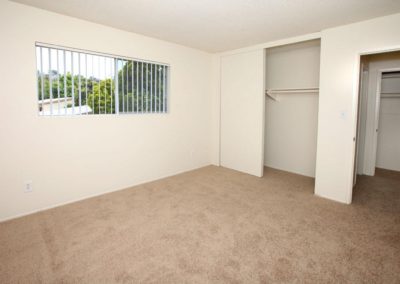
[96, 194]
[289, 171]
[333, 200]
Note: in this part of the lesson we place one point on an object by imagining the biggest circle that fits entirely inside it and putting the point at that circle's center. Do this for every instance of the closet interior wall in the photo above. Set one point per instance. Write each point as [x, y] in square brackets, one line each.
[388, 150]
[291, 118]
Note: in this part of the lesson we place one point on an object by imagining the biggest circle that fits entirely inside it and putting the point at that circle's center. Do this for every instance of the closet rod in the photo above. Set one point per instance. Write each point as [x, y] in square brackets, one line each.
[391, 75]
[292, 91]
[390, 95]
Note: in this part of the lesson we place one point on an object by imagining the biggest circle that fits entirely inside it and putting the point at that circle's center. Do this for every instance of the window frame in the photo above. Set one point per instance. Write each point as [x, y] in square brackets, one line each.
[115, 58]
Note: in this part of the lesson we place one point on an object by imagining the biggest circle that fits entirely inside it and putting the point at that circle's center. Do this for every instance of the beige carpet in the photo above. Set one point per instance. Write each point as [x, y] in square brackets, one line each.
[212, 225]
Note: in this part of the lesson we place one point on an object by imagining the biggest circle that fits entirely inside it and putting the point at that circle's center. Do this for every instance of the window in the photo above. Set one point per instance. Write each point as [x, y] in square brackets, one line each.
[74, 82]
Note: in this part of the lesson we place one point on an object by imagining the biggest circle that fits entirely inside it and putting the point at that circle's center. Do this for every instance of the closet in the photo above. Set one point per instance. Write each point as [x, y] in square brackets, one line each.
[291, 107]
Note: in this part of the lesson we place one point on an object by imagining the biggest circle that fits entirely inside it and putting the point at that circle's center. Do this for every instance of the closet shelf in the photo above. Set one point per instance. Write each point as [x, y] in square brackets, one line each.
[390, 95]
[391, 75]
[273, 92]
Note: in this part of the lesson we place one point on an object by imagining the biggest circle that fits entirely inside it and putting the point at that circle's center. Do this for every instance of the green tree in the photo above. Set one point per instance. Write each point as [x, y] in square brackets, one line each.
[140, 88]
[101, 99]
[142, 84]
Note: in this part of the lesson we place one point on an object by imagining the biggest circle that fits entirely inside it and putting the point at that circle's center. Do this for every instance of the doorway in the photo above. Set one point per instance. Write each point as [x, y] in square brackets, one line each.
[378, 126]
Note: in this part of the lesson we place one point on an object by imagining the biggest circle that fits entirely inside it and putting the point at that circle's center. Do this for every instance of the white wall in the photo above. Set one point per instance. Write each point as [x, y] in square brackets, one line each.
[338, 99]
[293, 65]
[216, 110]
[388, 147]
[291, 122]
[69, 158]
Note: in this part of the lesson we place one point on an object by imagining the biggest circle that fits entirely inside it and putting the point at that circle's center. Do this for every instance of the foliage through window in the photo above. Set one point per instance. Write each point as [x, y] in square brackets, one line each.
[72, 82]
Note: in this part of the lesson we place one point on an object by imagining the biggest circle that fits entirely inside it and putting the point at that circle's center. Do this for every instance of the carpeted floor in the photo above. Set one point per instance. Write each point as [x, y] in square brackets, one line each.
[212, 225]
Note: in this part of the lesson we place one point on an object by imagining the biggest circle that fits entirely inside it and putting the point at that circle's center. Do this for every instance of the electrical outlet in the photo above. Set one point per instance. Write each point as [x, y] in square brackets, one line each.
[28, 186]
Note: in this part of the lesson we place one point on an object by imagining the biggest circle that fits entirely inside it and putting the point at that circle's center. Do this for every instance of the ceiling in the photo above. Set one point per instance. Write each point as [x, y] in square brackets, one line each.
[219, 25]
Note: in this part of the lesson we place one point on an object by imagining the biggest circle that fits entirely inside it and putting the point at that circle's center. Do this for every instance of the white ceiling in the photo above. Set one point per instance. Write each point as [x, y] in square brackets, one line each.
[218, 25]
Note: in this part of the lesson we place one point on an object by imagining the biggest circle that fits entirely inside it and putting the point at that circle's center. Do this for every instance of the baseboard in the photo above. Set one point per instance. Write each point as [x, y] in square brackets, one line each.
[333, 200]
[96, 194]
[285, 170]
[396, 170]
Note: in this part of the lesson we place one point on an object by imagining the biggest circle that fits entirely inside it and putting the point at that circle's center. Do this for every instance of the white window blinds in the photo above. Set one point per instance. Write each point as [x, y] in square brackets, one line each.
[74, 82]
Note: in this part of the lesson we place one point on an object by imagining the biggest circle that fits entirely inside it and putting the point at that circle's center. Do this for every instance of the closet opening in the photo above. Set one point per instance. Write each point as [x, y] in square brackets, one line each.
[378, 126]
[291, 107]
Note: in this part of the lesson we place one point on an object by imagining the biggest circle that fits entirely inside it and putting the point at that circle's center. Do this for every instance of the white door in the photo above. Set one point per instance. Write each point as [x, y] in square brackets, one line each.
[377, 110]
[361, 82]
[242, 112]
